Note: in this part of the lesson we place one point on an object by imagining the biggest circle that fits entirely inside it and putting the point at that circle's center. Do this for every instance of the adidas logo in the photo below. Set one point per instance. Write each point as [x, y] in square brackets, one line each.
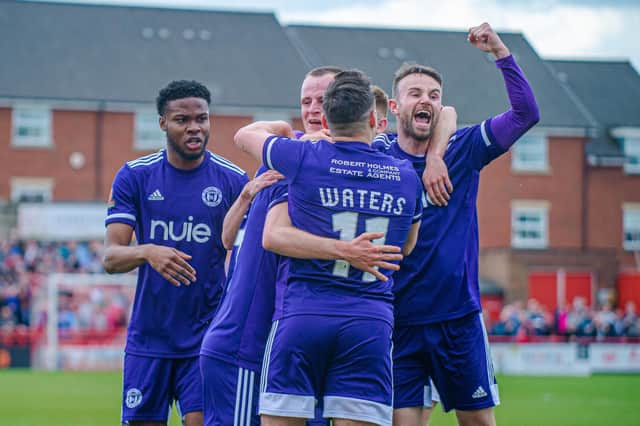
[479, 393]
[155, 196]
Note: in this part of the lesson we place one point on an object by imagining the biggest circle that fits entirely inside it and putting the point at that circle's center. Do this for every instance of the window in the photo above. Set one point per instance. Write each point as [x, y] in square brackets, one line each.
[631, 227]
[629, 138]
[31, 126]
[31, 190]
[632, 155]
[530, 154]
[148, 134]
[529, 225]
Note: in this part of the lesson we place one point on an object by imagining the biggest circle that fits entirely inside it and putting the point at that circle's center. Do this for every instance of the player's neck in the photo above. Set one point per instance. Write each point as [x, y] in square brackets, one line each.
[362, 138]
[413, 146]
[177, 161]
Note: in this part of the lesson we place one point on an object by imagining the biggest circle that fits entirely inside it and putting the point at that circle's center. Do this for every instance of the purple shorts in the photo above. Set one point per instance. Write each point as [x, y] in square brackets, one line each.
[150, 385]
[344, 362]
[230, 393]
[454, 354]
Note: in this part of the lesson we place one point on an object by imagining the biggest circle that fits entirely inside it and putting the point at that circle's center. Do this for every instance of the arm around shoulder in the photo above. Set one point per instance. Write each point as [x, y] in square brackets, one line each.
[252, 137]
[280, 236]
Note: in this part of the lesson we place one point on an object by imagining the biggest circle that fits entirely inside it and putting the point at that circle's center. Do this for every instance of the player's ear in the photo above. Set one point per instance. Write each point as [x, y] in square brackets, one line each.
[382, 124]
[373, 119]
[325, 123]
[163, 123]
[393, 106]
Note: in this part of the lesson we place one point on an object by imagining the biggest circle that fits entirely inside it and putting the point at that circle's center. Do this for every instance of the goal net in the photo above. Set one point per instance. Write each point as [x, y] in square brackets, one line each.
[80, 321]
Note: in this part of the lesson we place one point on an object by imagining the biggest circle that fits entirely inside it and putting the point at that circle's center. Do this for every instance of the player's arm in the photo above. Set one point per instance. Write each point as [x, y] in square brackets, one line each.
[523, 114]
[322, 134]
[280, 236]
[412, 239]
[120, 256]
[233, 218]
[435, 177]
[252, 137]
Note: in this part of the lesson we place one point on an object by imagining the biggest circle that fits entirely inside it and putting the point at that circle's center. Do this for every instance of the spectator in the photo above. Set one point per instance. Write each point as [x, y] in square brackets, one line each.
[630, 322]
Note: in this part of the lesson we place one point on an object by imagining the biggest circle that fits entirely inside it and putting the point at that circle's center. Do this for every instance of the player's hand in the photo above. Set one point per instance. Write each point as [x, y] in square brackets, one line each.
[435, 179]
[322, 134]
[254, 186]
[363, 254]
[483, 37]
[171, 264]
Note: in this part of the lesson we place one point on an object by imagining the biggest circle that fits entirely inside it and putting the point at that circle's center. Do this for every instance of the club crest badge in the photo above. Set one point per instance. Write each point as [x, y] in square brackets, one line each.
[134, 398]
[211, 196]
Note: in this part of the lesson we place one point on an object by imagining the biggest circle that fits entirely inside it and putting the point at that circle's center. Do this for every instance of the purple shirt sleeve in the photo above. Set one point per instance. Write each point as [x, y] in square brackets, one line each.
[523, 114]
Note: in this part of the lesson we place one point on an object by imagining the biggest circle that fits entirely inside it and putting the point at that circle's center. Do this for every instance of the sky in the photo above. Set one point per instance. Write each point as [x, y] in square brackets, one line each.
[570, 29]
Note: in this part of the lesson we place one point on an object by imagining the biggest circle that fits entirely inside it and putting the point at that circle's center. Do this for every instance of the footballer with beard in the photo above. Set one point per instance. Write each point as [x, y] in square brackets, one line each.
[439, 333]
[175, 201]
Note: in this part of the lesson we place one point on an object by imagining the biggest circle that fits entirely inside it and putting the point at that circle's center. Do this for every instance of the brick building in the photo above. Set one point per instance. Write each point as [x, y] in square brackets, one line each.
[559, 215]
[78, 97]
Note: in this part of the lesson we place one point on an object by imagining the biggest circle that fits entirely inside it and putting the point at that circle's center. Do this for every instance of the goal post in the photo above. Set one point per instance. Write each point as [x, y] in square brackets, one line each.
[79, 320]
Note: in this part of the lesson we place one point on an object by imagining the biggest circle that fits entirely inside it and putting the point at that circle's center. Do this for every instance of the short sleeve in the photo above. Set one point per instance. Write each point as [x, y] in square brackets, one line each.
[280, 194]
[122, 200]
[284, 155]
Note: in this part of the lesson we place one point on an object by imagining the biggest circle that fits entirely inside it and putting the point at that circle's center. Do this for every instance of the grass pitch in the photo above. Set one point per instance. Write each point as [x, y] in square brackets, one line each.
[34, 398]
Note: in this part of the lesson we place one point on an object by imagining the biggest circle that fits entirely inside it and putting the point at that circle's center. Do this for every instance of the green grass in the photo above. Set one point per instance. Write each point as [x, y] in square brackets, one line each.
[563, 401]
[30, 398]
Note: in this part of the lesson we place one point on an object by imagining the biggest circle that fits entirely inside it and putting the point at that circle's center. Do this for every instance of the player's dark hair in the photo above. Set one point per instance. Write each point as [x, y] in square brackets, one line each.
[181, 89]
[382, 101]
[324, 70]
[408, 69]
[347, 103]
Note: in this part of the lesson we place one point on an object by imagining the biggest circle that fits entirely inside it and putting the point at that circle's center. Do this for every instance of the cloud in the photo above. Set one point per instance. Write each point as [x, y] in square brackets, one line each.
[556, 29]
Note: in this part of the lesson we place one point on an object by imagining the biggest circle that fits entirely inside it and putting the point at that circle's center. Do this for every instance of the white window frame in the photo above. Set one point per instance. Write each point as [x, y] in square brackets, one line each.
[147, 134]
[31, 186]
[631, 225]
[632, 155]
[630, 139]
[533, 145]
[536, 209]
[36, 119]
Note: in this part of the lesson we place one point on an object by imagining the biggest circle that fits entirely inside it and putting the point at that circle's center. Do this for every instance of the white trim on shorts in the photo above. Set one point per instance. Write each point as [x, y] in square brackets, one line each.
[431, 395]
[357, 409]
[286, 405]
[280, 404]
[266, 359]
[493, 386]
[244, 397]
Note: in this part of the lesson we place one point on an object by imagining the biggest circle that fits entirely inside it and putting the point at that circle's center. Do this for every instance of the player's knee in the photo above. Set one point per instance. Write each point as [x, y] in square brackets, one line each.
[347, 422]
[267, 420]
[484, 417]
[409, 416]
[195, 418]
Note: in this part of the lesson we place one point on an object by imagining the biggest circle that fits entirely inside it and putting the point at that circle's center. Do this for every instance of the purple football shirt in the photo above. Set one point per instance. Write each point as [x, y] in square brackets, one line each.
[340, 190]
[183, 209]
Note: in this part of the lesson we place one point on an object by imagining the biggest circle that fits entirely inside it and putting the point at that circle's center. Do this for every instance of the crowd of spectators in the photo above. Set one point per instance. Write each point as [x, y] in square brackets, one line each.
[576, 320]
[23, 264]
